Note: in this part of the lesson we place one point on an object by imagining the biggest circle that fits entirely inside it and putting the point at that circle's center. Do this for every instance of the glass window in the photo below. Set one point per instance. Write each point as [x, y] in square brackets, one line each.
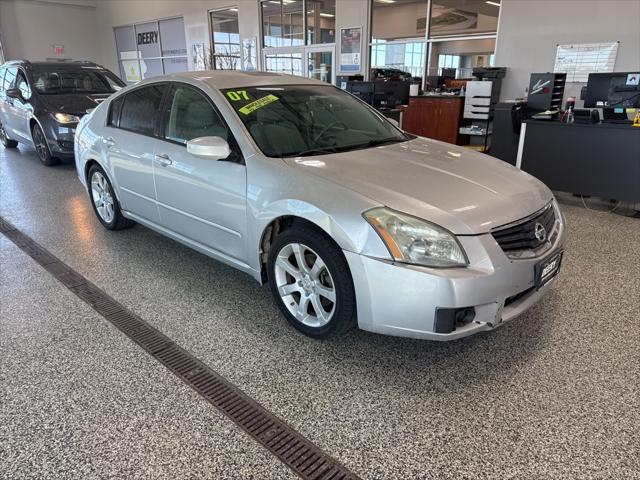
[282, 22]
[81, 80]
[321, 21]
[457, 17]
[398, 20]
[191, 116]
[226, 40]
[114, 111]
[141, 108]
[150, 49]
[460, 56]
[290, 63]
[297, 120]
[2, 70]
[9, 77]
[397, 61]
[23, 85]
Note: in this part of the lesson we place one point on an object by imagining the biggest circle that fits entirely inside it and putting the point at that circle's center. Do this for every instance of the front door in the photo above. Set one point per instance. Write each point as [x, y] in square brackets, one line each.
[320, 63]
[201, 199]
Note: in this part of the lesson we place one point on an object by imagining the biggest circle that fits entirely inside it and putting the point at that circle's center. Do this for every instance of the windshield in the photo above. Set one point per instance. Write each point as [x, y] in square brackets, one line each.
[51, 81]
[299, 120]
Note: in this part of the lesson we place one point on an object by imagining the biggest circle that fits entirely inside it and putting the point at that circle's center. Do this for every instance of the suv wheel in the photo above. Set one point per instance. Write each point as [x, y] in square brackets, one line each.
[104, 201]
[42, 147]
[4, 139]
[311, 283]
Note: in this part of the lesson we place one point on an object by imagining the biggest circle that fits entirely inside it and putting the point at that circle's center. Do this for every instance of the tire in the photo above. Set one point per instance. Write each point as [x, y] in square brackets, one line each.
[42, 147]
[104, 202]
[4, 139]
[299, 292]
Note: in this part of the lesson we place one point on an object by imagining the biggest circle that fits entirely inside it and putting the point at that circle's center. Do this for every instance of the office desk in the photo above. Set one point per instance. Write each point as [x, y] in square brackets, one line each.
[602, 160]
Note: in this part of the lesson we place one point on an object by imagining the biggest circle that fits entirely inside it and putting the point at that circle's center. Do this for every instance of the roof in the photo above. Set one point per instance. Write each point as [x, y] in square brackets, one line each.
[236, 78]
[52, 63]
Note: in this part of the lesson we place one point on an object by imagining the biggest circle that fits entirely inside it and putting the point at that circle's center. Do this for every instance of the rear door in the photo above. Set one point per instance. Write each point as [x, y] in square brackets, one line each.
[201, 199]
[129, 141]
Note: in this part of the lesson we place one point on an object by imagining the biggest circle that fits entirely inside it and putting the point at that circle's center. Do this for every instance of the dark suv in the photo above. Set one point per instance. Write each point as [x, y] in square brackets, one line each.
[41, 103]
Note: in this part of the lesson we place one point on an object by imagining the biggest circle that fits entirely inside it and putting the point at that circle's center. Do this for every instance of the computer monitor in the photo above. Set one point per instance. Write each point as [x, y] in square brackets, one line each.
[362, 90]
[612, 89]
[449, 72]
[435, 81]
[390, 94]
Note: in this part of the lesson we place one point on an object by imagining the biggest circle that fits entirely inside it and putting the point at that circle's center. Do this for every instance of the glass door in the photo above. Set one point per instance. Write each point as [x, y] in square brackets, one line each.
[320, 63]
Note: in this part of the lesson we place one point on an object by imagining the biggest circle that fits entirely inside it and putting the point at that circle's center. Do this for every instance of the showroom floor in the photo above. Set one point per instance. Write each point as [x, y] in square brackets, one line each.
[553, 394]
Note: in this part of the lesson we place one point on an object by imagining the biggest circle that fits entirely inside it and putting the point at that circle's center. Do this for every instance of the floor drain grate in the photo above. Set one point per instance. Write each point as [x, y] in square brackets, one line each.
[294, 450]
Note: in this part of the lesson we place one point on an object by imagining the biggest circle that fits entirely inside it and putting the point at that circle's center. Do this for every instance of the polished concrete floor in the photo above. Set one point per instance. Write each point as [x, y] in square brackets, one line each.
[554, 394]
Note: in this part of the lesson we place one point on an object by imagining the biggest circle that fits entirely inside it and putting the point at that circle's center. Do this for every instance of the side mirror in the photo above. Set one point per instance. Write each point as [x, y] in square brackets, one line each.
[214, 148]
[394, 121]
[14, 93]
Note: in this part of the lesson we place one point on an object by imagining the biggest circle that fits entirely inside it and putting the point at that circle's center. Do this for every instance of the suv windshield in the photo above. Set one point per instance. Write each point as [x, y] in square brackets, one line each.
[51, 81]
[299, 120]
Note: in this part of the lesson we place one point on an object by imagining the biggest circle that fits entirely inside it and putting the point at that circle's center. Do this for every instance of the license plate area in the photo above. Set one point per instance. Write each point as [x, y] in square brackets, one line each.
[546, 270]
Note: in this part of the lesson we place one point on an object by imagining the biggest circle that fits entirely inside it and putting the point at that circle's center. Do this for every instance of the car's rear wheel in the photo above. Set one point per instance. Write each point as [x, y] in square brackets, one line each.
[5, 140]
[42, 147]
[104, 201]
[311, 283]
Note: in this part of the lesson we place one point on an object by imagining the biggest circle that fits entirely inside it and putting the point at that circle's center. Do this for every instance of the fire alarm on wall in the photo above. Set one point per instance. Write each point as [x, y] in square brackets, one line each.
[58, 49]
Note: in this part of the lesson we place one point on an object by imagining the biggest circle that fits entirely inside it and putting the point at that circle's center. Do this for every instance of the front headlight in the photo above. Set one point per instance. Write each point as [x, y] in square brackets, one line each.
[65, 118]
[415, 241]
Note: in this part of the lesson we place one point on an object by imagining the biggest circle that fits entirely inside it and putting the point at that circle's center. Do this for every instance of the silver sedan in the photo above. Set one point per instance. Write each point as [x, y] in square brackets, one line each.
[349, 220]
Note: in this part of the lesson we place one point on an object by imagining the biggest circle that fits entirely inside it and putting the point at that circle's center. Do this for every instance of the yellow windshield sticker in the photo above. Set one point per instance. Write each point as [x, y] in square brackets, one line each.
[253, 106]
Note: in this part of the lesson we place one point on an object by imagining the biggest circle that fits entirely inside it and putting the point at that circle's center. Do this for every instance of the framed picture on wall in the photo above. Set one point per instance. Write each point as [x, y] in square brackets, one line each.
[350, 50]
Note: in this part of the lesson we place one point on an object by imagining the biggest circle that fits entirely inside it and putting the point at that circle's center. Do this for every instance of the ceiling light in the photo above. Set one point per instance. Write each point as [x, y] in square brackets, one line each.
[233, 9]
[328, 15]
[493, 3]
[386, 1]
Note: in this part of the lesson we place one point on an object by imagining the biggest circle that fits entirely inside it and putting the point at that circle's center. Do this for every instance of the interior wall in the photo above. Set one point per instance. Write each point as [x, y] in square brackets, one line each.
[353, 13]
[30, 28]
[530, 30]
[113, 13]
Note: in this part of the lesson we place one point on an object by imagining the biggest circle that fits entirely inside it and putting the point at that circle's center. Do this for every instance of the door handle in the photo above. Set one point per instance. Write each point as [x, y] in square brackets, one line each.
[164, 160]
[109, 141]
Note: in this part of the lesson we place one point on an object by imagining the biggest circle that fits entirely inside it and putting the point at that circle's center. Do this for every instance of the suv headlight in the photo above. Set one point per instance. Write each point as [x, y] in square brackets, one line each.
[415, 241]
[65, 118]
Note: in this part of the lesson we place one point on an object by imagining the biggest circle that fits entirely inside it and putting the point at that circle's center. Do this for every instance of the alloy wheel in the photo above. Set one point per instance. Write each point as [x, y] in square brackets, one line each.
[40, 143]
[102, 197]
[305, 285]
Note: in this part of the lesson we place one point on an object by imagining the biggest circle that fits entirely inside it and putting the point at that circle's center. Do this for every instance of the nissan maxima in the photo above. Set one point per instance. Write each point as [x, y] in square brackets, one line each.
[350, 220]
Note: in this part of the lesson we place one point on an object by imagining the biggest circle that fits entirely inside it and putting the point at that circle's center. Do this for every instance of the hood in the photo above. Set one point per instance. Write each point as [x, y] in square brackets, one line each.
[75, 104]
[461, 190]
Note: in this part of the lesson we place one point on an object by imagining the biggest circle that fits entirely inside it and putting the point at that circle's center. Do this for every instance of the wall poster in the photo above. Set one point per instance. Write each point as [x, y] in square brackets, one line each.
[350, 50]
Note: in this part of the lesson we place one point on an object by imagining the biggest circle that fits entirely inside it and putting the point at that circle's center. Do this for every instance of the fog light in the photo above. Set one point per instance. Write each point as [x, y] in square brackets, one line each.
[447, 319]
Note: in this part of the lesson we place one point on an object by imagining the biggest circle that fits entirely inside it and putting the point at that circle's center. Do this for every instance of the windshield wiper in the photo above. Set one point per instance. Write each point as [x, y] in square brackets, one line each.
[379, 142]
[316, 151]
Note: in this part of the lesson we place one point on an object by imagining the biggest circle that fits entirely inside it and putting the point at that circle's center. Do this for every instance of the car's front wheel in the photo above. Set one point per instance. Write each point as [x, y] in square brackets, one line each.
[5, 140]
[104, 201]
[42, 147]
[311, 283]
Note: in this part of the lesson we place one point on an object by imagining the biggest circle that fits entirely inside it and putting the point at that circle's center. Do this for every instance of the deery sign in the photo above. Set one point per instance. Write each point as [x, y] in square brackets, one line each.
[146, 38]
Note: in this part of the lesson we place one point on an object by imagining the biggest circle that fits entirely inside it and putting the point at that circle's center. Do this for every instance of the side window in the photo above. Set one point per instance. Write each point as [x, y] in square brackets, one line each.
[2, 70]
[114, 112]
[141, 108]
[9, 77]
[191, 116]
[23, 85]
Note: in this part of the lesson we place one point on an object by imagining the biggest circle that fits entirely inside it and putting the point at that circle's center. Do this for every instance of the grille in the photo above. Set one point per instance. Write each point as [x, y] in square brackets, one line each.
[522, 235]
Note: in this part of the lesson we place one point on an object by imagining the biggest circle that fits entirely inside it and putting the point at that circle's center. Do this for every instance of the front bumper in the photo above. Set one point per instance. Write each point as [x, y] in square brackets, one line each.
[59, 137]
[402, 300]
